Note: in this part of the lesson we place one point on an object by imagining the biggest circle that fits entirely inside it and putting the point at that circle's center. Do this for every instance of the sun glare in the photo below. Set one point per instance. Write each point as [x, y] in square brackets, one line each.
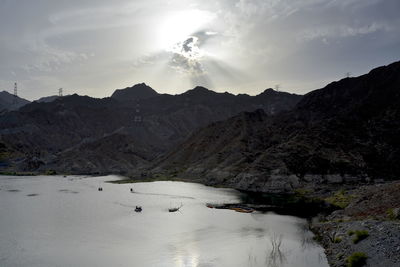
[179, 26]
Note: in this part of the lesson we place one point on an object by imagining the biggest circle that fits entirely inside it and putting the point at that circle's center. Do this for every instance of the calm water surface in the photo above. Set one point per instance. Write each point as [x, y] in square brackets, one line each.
[65, 221]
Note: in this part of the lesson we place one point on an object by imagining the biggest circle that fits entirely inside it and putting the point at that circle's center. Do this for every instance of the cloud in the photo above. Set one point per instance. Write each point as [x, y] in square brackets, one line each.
[186, 65]
[92, 18]
[236, 44]
[340, 31]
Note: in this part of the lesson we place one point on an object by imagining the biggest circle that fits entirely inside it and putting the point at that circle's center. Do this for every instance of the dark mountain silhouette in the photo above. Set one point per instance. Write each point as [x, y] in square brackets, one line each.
[136, 92]
[9, 102]
[80, 134]
[347, 131]
[47, 98]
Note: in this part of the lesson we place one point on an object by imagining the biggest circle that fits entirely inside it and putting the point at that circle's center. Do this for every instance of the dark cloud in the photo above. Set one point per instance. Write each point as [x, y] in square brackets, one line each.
[188, 44]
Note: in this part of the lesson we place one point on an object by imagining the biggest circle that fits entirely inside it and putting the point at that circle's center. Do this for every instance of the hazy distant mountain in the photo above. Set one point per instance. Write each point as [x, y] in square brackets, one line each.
[347, 131]
[80, 134]
[7, 101]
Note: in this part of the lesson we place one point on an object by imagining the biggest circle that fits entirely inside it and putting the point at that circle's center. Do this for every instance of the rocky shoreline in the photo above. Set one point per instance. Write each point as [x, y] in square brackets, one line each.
[366, 232]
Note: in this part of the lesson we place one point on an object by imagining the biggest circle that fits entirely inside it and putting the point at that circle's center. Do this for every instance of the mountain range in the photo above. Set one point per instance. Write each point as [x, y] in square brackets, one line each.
[347, 131]
[118, 134]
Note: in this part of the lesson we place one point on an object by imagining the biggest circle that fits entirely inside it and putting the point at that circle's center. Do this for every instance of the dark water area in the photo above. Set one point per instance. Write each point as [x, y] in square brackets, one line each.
[286, 204]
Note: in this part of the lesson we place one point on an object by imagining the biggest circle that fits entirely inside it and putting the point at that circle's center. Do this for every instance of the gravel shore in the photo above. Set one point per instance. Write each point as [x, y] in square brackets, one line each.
[372, 215]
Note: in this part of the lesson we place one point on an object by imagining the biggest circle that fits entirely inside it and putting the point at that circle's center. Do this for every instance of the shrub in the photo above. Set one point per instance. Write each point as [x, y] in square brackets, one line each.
[51, 172]
[318, 237]
[350, 232]
[357, 259]
[302, 191]
[340, 199]
[360, 235]
[337, 240]
[393, 214]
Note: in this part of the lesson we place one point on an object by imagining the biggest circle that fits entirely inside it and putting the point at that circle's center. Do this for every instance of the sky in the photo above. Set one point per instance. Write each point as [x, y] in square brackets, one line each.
[92, 47]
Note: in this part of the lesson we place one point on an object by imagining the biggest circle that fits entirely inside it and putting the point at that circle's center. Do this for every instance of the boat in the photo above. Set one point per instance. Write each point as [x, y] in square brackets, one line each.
[138, 209]
[243, 210]
[175, 209]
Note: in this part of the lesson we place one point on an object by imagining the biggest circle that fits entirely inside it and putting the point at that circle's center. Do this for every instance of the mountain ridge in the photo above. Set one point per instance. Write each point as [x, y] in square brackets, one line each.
[44, 135]
[343, 132]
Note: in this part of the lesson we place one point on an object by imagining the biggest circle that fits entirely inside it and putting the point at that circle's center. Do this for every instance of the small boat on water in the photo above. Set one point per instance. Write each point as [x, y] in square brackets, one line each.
[175, 209]
[138, 209]
[235, 207]
[243, 210]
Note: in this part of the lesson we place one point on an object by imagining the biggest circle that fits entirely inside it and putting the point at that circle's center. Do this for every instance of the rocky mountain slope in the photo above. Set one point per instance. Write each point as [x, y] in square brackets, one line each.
[47, 99]
[347, 131]
[7, 101]
[79, 134]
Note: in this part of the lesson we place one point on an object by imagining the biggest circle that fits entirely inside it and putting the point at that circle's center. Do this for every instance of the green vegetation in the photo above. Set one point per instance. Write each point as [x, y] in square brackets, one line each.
[50, 172]
[340, 199]
[360, 235]
[357, 259]
[302, 191]
[4, 154]
[337, 240]
[391, 214]
[317, 238]
[350, 232]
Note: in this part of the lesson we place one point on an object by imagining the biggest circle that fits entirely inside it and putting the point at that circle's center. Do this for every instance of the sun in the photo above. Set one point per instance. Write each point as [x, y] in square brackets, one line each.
[180, 25]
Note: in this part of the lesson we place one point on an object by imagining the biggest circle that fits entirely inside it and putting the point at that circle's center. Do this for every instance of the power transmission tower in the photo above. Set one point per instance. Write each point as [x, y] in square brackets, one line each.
[277, 87]
[15, 100]
[348, 74]
[60, 92]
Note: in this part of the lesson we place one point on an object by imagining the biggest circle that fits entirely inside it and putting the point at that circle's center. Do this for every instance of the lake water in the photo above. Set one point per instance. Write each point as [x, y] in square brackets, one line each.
[66, 221]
